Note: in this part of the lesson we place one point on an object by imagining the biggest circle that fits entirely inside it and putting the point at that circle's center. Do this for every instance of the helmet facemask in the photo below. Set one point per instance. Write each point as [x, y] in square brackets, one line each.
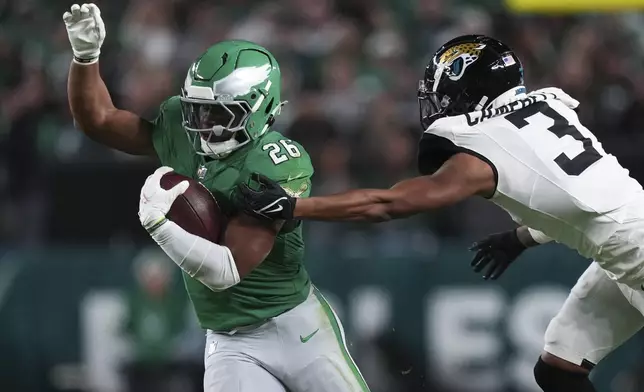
[228, 97]
[215, 127]
[437, 104]
[432, 104]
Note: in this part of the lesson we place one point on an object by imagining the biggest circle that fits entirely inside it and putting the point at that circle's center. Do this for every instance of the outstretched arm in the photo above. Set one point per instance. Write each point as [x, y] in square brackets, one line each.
[461, 176]
[88, 97]
[406, 198]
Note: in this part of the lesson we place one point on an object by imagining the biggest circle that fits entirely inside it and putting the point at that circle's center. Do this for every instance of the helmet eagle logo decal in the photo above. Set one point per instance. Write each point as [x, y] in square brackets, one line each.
[241, 81]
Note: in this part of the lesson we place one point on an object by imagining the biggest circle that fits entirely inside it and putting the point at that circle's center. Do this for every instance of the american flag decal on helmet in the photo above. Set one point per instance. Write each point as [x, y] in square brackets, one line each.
[508, 60]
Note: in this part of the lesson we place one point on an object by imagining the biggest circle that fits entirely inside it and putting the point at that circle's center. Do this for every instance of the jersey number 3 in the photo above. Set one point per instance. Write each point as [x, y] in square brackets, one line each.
[561, 128]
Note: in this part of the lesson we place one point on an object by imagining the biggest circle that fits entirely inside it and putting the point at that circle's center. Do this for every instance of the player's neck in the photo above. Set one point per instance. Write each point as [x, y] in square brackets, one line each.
[509, 96]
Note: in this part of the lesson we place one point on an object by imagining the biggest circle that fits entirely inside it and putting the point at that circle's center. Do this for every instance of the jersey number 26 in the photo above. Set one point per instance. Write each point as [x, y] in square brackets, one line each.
[561, 128]
[283, 153]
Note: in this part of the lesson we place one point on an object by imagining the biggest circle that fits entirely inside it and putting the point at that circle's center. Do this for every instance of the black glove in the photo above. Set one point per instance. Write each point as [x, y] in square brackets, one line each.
[499, 251]
[268, 201]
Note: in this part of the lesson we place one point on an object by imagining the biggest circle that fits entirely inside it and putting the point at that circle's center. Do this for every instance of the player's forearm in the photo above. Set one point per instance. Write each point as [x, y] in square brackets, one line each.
[373, 205]
[210, 263]
[92, 108]
[406, 198]
[530, 237]
[89, 100]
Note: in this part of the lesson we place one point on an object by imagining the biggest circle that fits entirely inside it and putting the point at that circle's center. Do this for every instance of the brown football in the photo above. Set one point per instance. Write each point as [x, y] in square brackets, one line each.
[196, 210]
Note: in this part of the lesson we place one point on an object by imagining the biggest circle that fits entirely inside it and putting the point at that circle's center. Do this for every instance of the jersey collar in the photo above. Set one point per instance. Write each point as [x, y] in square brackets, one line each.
[511, 95]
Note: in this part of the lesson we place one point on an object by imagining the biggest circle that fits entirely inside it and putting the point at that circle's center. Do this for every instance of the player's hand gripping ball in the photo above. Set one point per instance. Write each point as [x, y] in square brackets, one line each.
[184, 201]
[86, 32]
[155, 202]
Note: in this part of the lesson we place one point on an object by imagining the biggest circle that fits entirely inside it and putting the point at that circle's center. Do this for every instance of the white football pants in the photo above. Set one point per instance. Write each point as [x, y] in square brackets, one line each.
[302, 350]
[598, 316]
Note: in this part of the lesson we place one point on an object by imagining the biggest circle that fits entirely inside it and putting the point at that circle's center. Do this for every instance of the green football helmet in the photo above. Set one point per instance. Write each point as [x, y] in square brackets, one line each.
[230, 97]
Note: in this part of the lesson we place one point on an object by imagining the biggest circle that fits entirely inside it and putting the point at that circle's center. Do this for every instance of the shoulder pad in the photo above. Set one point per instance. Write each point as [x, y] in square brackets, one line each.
[279, 158]
[169, 109]
[437, 144]
[172, 103]
[434, 151]
[445, 138]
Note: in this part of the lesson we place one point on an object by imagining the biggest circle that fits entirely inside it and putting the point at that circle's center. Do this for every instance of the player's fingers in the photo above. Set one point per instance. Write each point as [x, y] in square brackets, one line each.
[84, 10]
[267, 182]
[148, 191]
[261, 181]
[153, 182]
[490, 270]
[148, 179]
[263, 178]
[485, 260]
[93, 9]
[67, 17]
[246, 191]
[160, 172]
[180, 188]
[255, 177]
[75, 10]
[257, 181]
[499, 271]
[146, 184]
[496, 270]
[476, 259]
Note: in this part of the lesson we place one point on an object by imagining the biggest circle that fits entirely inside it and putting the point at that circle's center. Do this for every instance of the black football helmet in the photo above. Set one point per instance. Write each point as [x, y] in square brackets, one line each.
[466, 74]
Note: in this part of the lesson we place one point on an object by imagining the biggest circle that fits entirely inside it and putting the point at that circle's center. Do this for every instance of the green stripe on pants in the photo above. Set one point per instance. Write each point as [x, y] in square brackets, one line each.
[339, 337]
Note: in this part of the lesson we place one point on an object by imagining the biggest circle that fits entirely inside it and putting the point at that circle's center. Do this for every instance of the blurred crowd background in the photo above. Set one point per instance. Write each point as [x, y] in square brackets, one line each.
[350, 72]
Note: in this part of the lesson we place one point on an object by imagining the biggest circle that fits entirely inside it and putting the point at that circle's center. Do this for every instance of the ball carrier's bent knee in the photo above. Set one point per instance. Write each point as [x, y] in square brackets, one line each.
[554, 374]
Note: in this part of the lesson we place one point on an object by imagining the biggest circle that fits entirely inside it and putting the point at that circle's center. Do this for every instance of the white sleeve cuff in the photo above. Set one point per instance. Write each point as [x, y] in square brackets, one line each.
[210, 263]
[538, 236]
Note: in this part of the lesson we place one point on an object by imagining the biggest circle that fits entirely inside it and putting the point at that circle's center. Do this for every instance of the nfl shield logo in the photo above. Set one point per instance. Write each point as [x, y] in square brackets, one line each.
[201, 172]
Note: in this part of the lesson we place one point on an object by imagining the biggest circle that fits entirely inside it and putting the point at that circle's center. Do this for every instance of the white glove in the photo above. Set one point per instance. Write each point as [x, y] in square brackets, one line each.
[155, 201]
[86, 32]
[210, 263]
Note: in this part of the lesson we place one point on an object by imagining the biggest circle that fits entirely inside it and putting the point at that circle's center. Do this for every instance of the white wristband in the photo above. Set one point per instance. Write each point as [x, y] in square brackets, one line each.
[210, 263]
[538, 236]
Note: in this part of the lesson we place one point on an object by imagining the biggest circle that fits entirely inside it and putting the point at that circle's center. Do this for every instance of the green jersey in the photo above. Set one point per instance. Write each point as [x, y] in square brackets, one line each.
[280, 282]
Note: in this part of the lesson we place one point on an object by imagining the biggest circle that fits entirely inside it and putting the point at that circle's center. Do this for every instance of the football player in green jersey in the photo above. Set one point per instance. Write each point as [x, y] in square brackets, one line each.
[268, 328]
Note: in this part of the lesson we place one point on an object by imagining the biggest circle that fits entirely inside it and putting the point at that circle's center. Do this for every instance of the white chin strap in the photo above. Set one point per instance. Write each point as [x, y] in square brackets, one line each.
[219, 150]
